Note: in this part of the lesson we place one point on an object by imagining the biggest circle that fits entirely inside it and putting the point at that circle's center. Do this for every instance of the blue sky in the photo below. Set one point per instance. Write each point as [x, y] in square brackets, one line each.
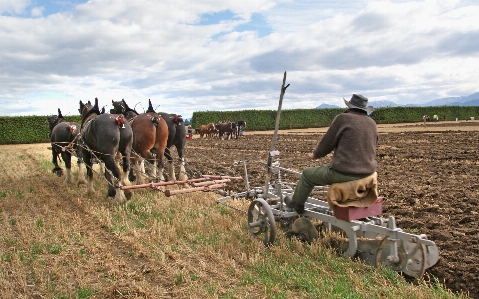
[191, 56]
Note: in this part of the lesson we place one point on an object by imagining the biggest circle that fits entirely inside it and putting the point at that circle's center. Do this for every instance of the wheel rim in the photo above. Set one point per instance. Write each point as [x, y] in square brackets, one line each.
[412, 257]
[261, 221]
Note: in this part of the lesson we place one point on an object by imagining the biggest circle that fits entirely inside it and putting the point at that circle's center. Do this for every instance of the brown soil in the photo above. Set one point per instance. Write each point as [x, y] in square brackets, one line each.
[428, 176]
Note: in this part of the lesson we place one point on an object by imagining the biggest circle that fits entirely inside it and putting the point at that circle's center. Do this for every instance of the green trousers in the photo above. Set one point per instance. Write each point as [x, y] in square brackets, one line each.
[319, 176]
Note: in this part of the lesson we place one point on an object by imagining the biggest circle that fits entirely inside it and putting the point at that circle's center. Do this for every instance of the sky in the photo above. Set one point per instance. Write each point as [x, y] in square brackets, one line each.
[210, 55]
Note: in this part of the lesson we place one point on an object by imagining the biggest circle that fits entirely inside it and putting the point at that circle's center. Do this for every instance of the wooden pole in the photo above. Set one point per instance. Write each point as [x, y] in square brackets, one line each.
[275, 137]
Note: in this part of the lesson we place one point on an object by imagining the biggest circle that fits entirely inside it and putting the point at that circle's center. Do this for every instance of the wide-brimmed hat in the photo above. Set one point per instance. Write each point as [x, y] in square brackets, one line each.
[359, 102]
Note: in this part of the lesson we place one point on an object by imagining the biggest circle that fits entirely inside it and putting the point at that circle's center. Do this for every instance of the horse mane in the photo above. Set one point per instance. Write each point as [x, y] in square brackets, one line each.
[93, 110]
[150, 107]
[127, 108]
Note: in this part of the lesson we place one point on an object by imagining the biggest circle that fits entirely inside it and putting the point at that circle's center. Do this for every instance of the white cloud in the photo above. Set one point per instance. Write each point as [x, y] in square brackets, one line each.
[37, 11]
[13, 6]
[405, 51]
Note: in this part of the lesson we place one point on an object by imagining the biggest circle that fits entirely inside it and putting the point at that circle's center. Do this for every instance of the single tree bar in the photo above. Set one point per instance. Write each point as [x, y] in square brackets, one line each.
[154, 185]
[168, 193]
[211, 182]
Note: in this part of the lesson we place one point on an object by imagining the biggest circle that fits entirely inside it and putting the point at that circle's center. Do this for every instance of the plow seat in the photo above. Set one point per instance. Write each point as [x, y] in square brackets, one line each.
[355, 199]
[354, 213]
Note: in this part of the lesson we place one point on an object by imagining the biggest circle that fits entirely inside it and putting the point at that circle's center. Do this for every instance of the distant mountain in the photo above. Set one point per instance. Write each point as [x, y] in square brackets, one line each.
[375, 104]
[454, 101]
[322, 106]
[474, 102]
[379, 104]
[470, 100]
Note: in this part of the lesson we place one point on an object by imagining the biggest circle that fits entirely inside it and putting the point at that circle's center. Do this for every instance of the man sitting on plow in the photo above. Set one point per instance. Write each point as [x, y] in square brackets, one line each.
[353, 138]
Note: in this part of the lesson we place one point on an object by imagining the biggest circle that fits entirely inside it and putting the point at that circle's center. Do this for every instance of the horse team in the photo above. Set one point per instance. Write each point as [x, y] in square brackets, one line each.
[223, 129]
[139, 139]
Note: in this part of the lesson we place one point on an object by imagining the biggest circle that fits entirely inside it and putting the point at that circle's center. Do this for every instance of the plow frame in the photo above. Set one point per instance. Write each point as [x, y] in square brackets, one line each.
[377, 241]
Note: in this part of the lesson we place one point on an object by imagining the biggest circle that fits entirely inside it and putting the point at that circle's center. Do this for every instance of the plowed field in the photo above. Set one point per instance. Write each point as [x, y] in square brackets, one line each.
[59, 243]
[429, 177]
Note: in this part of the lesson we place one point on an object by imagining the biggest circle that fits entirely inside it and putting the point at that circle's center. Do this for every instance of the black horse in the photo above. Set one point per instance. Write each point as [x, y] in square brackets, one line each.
[103, 136]
[177, 138]
[226, 129]
[64, 138]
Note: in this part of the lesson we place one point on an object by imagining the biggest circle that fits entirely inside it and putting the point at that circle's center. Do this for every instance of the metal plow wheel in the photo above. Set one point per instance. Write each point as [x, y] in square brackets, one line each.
[261, 221]
[411, 257]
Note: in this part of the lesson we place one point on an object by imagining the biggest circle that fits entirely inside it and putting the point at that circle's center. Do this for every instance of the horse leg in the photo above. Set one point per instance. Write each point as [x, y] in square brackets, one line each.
[150, 166]
[81, 176]
[139, 169]
[183, 176]
[160, 165]
[114, 178]
[57, 169]
[89, 173]
[67, 158]
[171, 169]
[126, 168]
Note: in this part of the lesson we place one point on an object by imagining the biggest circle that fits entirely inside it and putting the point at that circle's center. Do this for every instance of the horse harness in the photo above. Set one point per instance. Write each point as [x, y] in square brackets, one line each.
[71, 128]
[85, 124]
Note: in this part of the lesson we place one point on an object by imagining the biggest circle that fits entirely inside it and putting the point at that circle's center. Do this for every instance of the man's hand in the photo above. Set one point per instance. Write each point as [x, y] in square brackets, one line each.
[311, 156]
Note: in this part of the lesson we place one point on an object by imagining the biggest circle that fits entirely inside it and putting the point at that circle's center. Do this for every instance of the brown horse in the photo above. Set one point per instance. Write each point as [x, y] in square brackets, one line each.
[104, 136]
[203, 131]
[176, 137]
[150, 134]
[208, 130]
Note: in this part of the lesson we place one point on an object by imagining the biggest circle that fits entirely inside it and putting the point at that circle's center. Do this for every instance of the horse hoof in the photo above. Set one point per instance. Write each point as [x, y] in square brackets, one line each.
[111, 193]
[58, 171]
[131, 177]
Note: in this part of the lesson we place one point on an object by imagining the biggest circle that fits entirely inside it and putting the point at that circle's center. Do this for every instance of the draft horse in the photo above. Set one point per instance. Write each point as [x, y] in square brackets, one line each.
[103, 136]
[150, 134]
[227, 129]
[207, 130]
[177, 138]
[64, 138]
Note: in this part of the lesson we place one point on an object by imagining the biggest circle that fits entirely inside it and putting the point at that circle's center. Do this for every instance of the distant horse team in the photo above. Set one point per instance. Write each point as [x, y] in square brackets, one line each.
[223, 129]
[129, 146]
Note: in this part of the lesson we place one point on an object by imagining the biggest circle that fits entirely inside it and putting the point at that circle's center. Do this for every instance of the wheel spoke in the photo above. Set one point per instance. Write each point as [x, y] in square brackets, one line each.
[261, 221]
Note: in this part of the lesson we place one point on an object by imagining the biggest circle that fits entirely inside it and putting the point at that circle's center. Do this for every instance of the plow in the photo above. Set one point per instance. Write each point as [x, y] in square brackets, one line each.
[368, 236]
[375, 240]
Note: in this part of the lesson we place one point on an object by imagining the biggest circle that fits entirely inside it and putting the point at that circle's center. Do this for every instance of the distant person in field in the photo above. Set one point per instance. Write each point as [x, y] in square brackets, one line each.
[190, 131]
[352, 137]
[435, 117]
